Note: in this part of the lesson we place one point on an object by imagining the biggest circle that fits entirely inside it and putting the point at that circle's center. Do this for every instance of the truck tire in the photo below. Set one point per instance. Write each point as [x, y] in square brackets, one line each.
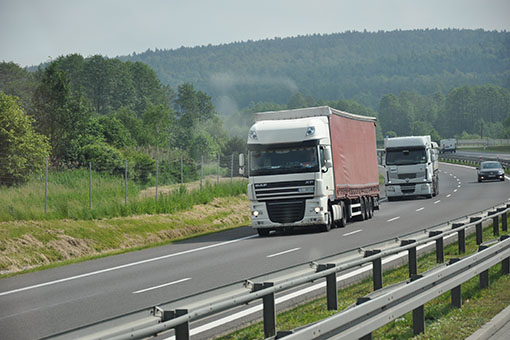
[343, 221]
[263, 232]
[364, 215]
[327, 227]
[370, 207]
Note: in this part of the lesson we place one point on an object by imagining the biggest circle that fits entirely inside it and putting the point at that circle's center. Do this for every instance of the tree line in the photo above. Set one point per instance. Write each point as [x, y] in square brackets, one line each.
[362, 66]
[79, 110]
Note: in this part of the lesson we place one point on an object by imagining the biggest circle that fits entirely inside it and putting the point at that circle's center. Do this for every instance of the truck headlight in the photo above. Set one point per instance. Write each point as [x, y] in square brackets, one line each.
[317, 209]
[255, 213]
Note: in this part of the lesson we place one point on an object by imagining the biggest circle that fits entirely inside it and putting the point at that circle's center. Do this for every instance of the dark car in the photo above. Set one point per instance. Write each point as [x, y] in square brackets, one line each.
[490, 170]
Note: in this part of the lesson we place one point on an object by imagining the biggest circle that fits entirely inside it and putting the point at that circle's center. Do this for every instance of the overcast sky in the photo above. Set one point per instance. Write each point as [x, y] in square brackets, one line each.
[34, 31]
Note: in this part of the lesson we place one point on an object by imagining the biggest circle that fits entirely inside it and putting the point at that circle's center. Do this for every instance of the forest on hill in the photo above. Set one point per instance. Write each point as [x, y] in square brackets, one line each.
[200, 101]
[361, 66]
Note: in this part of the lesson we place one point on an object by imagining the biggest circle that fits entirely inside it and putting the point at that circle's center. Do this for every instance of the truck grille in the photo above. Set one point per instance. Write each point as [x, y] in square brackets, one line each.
[285, 190]
[404, 176]
[407, 189]
[286, 211]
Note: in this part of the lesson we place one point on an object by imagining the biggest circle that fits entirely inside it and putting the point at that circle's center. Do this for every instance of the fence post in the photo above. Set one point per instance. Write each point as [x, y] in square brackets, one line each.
[182, 330]
[461, 237]
[412, 259]
[182, 171]
[269, 310]
[484, 276]
[201, 171]
[232, 170]
[125, 182]
[218, 171]
[331, 290]
[46, 186]
[157, 177]
[439, 246]
[90, 185]
[456, 292]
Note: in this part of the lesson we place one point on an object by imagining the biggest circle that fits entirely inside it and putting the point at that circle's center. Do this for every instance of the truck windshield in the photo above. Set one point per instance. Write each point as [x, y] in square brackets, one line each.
[283, 161]
[405, 156]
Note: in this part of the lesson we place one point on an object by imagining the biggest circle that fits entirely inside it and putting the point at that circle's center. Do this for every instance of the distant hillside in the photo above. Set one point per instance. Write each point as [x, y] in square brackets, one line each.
[362, 66]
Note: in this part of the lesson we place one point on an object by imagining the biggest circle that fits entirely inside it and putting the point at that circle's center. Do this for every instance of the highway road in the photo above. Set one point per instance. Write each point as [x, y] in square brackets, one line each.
[500, 155]
[43, 303]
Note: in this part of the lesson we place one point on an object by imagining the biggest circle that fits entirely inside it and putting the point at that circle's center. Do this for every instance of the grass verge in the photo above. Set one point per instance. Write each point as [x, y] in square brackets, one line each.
[68, 197]
[442, 320]
[34, 245]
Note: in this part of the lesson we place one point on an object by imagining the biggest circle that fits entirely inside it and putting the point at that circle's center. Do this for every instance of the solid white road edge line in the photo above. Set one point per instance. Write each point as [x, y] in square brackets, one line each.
[393, 219]
[161, 286]
[353, 232]
[283, 252]
[322, 285]
[49, 283]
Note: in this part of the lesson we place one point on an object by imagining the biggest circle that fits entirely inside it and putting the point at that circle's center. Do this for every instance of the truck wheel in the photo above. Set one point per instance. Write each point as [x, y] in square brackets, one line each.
[327, 227]
[370, 208]
[363, 209]
[263, 232]
[343, 221]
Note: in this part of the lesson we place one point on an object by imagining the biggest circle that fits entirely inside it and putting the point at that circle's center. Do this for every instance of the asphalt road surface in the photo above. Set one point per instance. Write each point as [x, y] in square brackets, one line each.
[39, 304]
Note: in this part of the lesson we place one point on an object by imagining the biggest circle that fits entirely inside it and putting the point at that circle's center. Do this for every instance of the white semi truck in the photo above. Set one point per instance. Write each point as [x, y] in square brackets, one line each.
[412, 167]
[310, 167]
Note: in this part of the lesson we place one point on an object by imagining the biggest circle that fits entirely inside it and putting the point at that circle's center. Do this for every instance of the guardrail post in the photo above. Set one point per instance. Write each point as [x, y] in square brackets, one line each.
[377, 271]
[504, 220]
[411, 257]
[182, 330]
[418, 314]
[359, 302]
[461, 237]
[331, 290]
[484, 276]
[505, 264]
[479, 230]
[439, 246]
[456, 293]
[269, 309]
[495, 223]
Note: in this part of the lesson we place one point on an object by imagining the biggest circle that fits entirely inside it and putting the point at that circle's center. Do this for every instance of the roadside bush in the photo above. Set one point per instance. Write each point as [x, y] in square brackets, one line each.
[104, 158]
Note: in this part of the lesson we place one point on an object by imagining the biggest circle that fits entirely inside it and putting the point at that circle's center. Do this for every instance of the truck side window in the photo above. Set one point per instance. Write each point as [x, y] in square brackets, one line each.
[323, 161]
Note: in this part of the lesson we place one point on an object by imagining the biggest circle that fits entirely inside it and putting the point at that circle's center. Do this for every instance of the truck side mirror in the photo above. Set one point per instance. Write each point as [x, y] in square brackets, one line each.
[241, 164]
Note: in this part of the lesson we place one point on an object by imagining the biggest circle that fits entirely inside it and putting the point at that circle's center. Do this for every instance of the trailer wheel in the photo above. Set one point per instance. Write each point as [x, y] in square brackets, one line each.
[263, 232]
[364, 214]
[370, 208]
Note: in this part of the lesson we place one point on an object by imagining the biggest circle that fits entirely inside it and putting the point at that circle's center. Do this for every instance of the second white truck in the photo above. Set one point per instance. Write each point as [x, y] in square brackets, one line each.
[412, 167]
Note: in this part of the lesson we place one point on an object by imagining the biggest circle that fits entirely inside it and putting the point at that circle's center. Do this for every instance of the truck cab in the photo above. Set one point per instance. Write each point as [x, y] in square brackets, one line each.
[412, 167]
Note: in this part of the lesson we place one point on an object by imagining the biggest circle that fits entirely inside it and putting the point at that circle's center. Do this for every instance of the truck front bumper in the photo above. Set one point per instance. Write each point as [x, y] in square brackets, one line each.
[315, 213]
[409, 189]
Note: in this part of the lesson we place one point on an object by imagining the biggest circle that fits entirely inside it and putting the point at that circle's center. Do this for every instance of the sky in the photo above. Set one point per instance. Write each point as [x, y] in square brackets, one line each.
[36, 31]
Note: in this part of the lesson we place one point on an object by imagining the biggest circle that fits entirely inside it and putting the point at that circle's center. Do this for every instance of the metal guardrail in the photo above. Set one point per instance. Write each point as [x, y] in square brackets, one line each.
[475, 161]
[383, 307]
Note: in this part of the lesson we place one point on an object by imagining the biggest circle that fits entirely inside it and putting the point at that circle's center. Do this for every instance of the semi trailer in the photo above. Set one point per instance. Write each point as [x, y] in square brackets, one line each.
[310, 167]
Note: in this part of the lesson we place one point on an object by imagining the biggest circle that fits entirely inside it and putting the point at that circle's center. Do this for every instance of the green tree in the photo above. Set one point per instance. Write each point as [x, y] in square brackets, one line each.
[22, 149]
[60, 114]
